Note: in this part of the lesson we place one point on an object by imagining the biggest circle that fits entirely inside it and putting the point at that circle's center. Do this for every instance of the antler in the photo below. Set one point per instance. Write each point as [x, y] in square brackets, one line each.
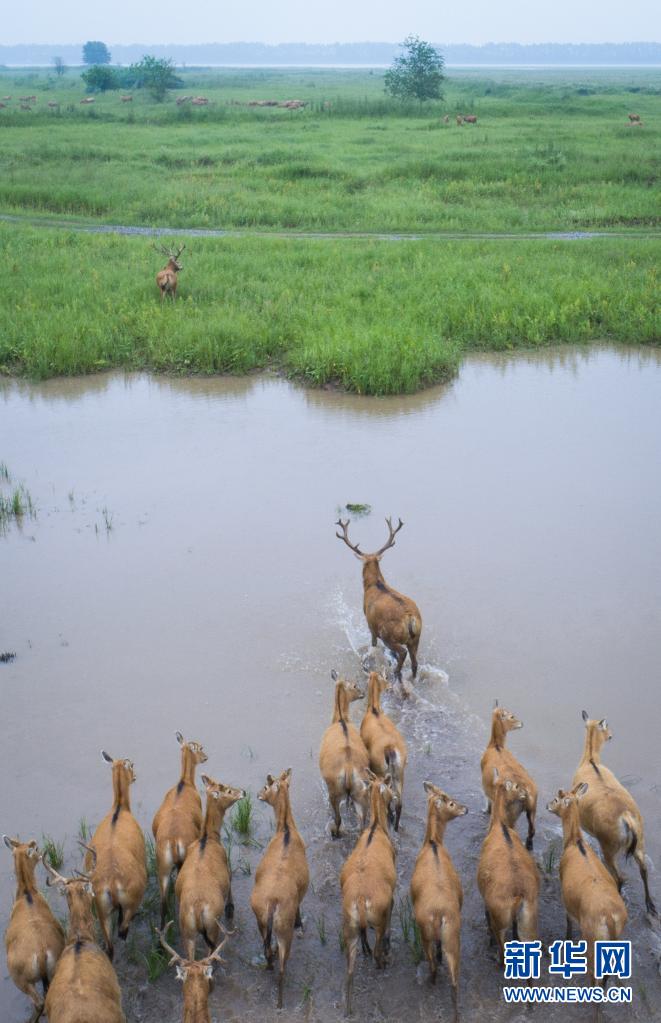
[175, 957]
[57, 878]
[179, 251]
[89, 849]
[391, 538]
[344, 535]
[215, 955]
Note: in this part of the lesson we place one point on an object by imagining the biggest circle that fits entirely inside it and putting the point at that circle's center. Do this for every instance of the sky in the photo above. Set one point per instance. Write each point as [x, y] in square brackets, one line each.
[277, 21]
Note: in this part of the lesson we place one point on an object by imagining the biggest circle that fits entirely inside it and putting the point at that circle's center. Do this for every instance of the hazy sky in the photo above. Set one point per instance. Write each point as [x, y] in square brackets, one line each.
[274, 21]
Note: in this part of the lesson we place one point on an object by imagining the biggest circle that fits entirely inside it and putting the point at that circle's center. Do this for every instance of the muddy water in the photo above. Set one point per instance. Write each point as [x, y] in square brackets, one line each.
[182, 573]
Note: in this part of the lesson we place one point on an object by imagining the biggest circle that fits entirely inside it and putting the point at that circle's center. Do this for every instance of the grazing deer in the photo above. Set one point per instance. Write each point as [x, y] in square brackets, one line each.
[116, 859]
[470, 119]
[126, 99]
[87, 99]
[507, 874]
[634, 118]
[203, 887]
[384, 743]
[281, 879]
[589, 893]
[178, 821]
[84, 988]
[343, 758]
[446, 119]
[197, 977]
[497, 756]
[54, 105]
[608, 811]
[460, 119]
[368, 880]
[200, 101]
[436, 890]
[183, 99]
[391, 617]
[34, 939]
[25, 106]
[166, 279]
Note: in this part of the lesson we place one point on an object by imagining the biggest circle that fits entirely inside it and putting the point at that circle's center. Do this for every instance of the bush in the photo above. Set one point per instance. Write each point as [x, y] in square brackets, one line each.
[100, 79]
[417, 73]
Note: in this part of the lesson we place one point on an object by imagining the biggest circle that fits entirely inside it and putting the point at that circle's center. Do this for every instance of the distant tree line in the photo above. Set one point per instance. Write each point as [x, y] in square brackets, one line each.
[383, 54]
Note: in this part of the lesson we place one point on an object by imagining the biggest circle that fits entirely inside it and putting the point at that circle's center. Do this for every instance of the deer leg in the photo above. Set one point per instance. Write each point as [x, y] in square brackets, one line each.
[335, 804]
[639, 857]
[569, 934]
[229, 906]
[374, 637]
[530, 814]
[413, 654]
[351, 944]
[31, 991]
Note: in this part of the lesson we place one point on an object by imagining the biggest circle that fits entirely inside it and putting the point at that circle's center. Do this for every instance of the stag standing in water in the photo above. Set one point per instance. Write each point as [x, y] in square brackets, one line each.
[391, 617]
[166, 279]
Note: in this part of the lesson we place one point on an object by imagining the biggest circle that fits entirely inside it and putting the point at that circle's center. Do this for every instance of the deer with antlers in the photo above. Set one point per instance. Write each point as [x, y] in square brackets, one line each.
[197, 977]
[34, 938]
[85, 985]
[166, 279]
[391, 617]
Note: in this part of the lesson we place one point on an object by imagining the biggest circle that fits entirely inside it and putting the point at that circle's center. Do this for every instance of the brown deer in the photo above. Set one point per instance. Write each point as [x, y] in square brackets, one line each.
[384, 743]
[436, 890]
[34, 939]
[85, 986]
[204, 887]
[116, 859]
[343, 758]
[507, 875]
[391, 617]
[589, 892]
[496, 755]
[368, 880]
[126, 99]
[281, 879]
[178, 821]
[200, 101]
[166, 279]
[634, 118]
[197, 977]
[470, 119]
[608, 811]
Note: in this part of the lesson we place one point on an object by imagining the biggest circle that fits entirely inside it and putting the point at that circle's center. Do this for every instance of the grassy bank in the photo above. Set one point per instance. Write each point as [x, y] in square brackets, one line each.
[550, 151]
[375, 317]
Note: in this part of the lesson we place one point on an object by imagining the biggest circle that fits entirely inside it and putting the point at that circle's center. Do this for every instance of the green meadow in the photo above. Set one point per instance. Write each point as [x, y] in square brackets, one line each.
[551, 151]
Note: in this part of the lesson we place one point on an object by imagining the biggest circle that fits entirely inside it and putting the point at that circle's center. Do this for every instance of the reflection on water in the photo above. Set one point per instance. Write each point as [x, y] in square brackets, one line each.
[183, 573]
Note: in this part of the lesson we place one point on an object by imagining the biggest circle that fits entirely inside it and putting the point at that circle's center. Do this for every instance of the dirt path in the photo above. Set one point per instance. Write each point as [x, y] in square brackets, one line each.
[398, 236]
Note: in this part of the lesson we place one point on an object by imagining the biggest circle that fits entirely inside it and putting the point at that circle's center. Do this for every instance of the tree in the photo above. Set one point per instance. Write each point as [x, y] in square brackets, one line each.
[60, 66]
[155, 75]
[96, 52]
[100, 79]
[417, 73]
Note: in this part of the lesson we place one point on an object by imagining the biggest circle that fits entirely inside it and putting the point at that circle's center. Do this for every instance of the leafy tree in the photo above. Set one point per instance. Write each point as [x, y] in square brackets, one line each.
[100, 79]
[417, 73]
[60, 66]
[157, 76]
[95, 52]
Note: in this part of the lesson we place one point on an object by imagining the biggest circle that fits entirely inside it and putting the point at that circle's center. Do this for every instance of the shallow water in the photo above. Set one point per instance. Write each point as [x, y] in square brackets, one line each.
[219, 600]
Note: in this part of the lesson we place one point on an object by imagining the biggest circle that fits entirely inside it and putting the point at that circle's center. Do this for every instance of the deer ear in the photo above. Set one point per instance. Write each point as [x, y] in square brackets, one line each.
[495, 775]
[9, 842]
[180, 738]
[495, 704]
[603, 724]
[181, 972]
[286, 774]
[584, 715]
[334, 675]
[269, 779]
[205, 779]
[581, 789]
[388, 779]
[106, 757]
[427, 786]
[89, 888]
[208, 972]
[508, 785]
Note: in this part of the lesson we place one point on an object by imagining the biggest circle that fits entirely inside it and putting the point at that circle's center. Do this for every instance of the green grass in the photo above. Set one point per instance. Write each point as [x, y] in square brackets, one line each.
[374, 317]
[242, 816]
[53, 851]
[410, 929]
[15, 505]
[550, 151]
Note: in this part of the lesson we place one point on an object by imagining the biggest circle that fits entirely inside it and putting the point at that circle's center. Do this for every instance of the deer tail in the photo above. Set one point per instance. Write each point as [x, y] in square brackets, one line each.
[632, 834]
[413, 626]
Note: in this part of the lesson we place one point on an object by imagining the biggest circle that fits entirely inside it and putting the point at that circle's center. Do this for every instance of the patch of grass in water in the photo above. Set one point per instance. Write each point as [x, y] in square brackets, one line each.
[53, 851]
[7, 656]
[242, 816]
[358, 510]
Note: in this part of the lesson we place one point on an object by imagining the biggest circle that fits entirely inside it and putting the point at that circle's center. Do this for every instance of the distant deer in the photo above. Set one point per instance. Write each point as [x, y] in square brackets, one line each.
[368, 880]
[197, 977]
[87, 99]
[343, 759]
[470, 119]
[116, 858]
[54, 105]
[607, 810]
[204, 887]
[436, 890]
[496, 755]
[384, 742]
[634, 118]
[281, 879]
[460, 119]
[34, 939]
[391, 617]
[126, 99]
[166, 279]
[84, 986]
[589, 892]
[200, 101]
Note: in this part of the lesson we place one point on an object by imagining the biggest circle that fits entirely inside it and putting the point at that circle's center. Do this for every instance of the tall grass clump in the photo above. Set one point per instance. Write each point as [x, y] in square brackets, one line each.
[242, 816]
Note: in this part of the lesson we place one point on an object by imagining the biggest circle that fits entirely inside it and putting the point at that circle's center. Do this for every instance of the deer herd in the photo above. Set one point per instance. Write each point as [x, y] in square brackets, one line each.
[363, 769]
